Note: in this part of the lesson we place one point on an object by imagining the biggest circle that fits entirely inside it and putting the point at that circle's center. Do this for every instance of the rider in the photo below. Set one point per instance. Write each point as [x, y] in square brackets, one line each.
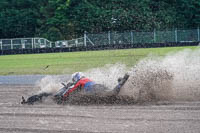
[80, 81]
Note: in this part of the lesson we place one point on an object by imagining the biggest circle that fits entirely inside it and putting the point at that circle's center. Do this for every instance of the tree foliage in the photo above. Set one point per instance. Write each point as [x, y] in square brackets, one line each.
[66, 19]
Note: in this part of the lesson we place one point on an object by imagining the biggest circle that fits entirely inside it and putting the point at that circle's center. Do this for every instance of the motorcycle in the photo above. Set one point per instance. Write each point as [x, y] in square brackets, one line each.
[59, 98]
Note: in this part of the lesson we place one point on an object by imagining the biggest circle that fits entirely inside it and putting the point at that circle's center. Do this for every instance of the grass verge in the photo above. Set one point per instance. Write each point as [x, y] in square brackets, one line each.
[67, 63]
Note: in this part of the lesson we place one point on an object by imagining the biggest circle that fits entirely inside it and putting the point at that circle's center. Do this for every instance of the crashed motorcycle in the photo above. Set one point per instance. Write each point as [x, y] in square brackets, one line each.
[99, 92]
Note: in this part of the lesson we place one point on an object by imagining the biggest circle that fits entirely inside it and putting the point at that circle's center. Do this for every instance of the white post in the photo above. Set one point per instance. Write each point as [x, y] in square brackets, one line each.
[32, 42]
[176, 37]
[109, 37]
[22, 43]
[85, 37]
[198, 33]
[76, 42]
[66, 44]
[50, 44]
[11, 44]
[131, 37]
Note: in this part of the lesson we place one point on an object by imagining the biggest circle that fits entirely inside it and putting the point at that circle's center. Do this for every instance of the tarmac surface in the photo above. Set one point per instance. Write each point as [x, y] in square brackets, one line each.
[28, 79]
[48, 117]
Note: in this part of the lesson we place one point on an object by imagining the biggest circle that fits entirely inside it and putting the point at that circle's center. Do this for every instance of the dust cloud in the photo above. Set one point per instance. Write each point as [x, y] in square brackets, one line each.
[49, 84]
[107, 75]
[175, 77]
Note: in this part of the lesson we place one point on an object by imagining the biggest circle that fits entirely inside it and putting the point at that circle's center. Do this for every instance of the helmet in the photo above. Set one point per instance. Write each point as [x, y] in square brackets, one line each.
[77, 76]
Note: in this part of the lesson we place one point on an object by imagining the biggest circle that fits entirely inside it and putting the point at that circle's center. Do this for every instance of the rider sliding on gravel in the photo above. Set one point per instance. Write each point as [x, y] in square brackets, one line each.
[79, 83]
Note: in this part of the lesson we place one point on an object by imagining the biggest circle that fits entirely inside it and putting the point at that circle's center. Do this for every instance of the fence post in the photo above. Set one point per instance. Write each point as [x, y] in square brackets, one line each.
[198, 33]
[66, 42]
[11, 44]
[154, 35]
[109, 37]
[76, 42]
[85, 38]
[32, 42]
[176, 37]
[50, 43]
[23, 43]
[131, 37]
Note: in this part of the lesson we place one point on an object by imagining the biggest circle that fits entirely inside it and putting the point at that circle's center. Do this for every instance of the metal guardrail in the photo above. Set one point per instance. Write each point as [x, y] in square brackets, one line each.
[24, 43]
[70, 43]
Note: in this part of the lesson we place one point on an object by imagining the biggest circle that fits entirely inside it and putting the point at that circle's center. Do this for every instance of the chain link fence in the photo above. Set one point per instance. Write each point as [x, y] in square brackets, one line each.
[102, 39]
[133, 37]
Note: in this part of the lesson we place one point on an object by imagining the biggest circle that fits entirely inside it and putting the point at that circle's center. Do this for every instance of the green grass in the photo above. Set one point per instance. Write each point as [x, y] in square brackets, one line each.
[63, 63]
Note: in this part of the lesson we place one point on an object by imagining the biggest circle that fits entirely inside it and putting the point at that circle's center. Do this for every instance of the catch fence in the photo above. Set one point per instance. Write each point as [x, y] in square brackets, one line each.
[133, 37]
[106, 39]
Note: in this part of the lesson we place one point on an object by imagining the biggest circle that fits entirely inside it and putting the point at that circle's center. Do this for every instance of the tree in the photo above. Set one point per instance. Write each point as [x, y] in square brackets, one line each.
[17, 19]
[67, 19]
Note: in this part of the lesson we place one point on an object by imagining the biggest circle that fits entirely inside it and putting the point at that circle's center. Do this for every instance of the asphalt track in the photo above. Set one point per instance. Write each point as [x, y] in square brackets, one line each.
[179, 117]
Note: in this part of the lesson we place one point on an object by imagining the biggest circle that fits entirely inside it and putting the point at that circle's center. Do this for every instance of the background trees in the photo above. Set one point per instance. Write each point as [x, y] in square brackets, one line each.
[66, 19]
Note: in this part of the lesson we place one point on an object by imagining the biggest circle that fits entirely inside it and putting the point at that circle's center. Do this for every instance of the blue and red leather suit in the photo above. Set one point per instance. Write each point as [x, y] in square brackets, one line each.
[84, 83]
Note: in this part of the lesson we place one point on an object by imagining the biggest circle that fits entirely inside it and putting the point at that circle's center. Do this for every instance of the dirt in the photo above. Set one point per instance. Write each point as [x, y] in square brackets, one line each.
[49, 117]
